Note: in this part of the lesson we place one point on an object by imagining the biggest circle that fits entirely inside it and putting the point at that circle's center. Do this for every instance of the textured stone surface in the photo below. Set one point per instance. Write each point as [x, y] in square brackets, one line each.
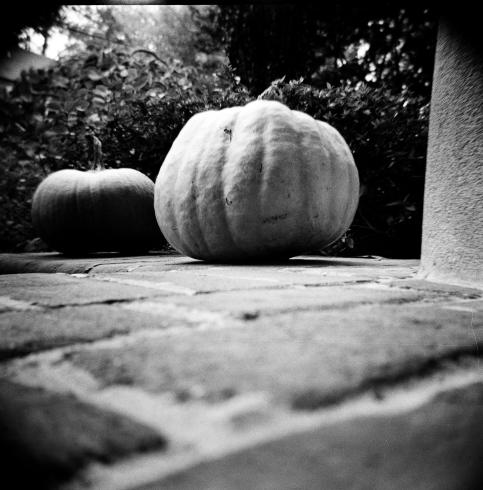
[304, 262]
[46, 437]
[305, 359]
[219, 358]
[62, 289]
[211, 280]
[202, 277]
[24, 332]
[252, 302]
[436, 447]
[452, 245]
[55, 262]
[442, 289]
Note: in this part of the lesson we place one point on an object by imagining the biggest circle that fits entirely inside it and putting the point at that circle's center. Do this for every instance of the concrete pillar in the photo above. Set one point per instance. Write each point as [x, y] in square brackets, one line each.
[452, 246]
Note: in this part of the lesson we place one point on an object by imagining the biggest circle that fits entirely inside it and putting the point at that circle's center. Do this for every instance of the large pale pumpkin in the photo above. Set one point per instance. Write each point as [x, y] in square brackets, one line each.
[255, 182]
[99, 210]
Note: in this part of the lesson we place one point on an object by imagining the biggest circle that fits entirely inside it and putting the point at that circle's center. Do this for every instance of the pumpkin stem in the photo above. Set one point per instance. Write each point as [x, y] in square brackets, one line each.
[96, 147]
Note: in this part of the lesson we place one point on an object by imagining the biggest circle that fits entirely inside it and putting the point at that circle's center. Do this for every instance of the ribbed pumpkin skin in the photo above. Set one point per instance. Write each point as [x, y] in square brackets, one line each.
[255, 182]
[96, 211]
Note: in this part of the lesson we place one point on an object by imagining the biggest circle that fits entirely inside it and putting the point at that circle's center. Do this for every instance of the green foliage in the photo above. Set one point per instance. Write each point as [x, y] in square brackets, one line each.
[184, 32]
[386, 44]
[387, 135]
[264, 42]
[135, 103]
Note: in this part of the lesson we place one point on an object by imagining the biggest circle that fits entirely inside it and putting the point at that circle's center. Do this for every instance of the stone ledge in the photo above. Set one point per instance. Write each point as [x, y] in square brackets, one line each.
[51, 262]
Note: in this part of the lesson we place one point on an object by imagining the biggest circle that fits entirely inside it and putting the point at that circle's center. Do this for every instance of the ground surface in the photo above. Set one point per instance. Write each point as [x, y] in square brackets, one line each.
[165, 372]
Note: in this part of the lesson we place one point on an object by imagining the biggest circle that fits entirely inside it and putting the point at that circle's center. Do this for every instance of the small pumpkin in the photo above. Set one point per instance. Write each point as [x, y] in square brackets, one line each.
[255, 182]
[99, 210]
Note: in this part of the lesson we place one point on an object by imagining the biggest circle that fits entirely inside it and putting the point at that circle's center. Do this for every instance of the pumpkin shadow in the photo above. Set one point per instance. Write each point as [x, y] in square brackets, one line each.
[277, 262]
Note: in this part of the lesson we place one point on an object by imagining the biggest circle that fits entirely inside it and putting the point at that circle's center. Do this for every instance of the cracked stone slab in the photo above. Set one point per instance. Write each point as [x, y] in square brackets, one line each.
[204, 277]
[209, 278]
[24, 332]
[438, 446]
[191, 283]
[310, 264]
[303, 359]
[54, 290]
[252, 302]
[47, 438]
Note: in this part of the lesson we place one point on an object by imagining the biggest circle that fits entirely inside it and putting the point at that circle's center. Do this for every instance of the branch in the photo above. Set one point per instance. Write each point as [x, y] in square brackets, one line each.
[88, 34]
[152, 53]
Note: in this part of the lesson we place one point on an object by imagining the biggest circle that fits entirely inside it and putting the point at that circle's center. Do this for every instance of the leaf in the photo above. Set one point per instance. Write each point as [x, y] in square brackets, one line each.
[141, 82]
[94, 75]
[101, 91]
[99, 101]
[94, 118]
[61, 82]
[50, 134]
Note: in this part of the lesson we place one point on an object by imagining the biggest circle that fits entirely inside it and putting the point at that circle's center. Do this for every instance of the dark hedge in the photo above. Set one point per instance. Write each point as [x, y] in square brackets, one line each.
[136, 104]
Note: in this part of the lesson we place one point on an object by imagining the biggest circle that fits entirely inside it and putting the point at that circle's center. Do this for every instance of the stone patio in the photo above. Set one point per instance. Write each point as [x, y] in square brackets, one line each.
[165, 372]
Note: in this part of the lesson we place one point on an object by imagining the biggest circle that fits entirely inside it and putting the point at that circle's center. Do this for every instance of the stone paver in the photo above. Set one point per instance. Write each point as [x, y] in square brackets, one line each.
[55, 262]
[306, 359]
[198, 277]
[33, 330]
[292, 298]
[62, 289]
[437, 447]
[214, 280]
[177, 360]
[309, 265]
[48, 437]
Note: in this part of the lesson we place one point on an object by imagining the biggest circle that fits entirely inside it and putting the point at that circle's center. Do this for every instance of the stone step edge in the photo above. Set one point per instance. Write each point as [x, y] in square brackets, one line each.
[52, 262]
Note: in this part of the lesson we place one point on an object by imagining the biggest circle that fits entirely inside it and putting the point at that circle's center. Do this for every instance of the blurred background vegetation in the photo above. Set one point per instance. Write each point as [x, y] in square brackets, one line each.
[134, 74]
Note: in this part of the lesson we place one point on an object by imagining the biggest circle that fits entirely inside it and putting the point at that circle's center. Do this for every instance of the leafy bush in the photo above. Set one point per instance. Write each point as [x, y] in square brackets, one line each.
[135, 103]
[387, 135]
[387, 44]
